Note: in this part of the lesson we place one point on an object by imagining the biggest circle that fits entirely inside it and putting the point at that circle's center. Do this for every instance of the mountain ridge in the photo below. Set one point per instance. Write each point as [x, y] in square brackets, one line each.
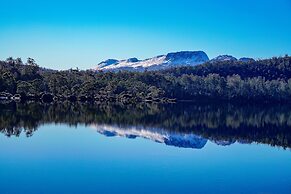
[174, 59]
[161, 62]
[159, 135]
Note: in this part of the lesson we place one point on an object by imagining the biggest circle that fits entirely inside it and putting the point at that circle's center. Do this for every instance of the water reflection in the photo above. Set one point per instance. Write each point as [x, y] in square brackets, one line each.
[168, 137]
[182, 125]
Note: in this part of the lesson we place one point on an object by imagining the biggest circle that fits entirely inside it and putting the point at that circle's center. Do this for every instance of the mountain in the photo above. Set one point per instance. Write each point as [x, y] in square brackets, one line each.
[224, 58]
[231, 58]
[176, 59]
[107, 63]
[246, 59]
[170, 138]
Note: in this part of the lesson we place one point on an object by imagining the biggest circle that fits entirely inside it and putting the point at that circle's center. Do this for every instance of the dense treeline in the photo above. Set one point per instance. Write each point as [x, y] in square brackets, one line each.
[270, 69]
[268, 124]
[262, 80]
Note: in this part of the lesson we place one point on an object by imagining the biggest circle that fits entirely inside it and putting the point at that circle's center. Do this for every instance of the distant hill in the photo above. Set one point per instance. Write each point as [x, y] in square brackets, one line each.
[231, 58]
[163, 62]
[170, 60]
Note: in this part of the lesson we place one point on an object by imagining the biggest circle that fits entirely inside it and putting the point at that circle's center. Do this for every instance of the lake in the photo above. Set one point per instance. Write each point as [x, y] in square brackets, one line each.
[145, 148]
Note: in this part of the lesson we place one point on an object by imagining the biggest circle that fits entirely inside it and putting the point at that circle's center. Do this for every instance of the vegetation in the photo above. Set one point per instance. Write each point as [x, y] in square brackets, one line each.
[262, 80]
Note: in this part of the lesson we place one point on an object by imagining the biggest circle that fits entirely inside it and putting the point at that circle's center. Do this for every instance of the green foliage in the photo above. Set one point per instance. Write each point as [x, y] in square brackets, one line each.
[261, 80]
[8, 82]
[24, 87]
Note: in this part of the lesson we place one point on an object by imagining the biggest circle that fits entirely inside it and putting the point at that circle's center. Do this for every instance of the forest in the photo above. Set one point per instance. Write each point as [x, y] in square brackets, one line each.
[258, 81]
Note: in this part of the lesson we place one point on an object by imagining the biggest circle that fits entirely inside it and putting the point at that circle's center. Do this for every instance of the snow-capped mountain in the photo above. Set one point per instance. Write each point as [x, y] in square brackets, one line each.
[224, 58]
[158, 135]
[107, 63]
[231, 58]
[183, 58]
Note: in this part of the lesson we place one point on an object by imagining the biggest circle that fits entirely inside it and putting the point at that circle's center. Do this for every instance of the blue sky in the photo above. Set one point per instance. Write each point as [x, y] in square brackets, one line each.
[65, 34]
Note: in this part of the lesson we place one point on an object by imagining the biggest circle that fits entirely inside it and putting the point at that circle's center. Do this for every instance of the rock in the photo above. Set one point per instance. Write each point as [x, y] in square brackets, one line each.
[16, 97]
[107, 63]
[132, 60]
[5, 96]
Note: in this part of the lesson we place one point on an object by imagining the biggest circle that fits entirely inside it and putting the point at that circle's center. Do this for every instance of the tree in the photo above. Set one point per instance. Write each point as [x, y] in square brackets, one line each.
[25, 87]
[18, 61]
[234, 86]
[31, 61]
[10, 61]
[9, 82]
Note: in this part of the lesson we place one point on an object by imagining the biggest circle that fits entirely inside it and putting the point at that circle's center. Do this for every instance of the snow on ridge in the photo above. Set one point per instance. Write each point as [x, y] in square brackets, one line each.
[158, 135]
[224, 58]
[170, 60]
[183, 58]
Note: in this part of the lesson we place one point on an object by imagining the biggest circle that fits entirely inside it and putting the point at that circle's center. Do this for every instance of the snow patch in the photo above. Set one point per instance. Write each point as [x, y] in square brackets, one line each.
[183, 58]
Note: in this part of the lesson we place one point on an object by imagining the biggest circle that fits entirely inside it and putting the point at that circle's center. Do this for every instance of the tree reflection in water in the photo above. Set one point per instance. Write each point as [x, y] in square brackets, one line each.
[221, 123]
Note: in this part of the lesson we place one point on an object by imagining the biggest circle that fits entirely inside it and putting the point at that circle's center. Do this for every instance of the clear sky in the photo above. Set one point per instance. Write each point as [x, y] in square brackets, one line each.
[64, 34]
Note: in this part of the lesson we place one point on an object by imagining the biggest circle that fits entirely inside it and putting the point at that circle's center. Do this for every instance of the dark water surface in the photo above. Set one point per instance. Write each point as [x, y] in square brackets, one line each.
[146, 148]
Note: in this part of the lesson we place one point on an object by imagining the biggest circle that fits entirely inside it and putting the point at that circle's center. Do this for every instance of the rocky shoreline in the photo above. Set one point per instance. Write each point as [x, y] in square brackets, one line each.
[48, 97]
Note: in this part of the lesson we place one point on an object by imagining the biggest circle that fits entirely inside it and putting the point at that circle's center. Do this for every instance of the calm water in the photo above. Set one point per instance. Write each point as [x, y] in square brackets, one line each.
[182, 148]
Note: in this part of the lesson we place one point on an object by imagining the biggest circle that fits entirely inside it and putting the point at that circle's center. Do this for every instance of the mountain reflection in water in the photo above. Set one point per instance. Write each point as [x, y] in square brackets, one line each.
[188, 125]
[167, 137]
